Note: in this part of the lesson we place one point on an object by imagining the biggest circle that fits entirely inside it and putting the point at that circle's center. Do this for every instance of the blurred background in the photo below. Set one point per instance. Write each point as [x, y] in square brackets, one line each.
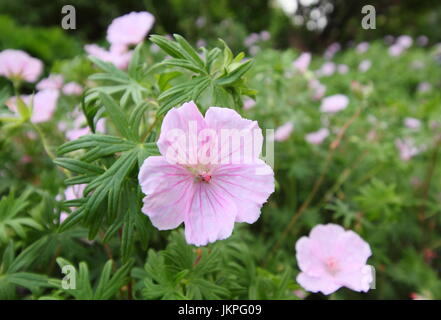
[306, 24]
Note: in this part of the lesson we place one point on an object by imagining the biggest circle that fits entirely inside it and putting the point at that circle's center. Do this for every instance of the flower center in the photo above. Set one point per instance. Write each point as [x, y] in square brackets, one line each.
[201, 174]
[332, 265]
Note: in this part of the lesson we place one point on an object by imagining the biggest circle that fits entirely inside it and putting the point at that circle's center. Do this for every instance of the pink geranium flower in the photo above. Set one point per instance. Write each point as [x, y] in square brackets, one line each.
[283, 132]
[334, 103]
[342, 68]
[302, 62]
[130, 29]
[54, 81]
[331, 258]
[81, 129]
[44, 104]
[17, 64]
[72, 193]
[198, 179]
[365, 65]
[317, 137]
[412, 123]
[362, 47]
[72, 88]
[407, 148]
[318, 89]
[249, 103]
[119, 58]
[327, 69]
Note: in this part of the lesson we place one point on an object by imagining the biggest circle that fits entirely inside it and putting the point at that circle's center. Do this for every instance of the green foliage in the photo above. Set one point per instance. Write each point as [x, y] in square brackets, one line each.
[48, 44]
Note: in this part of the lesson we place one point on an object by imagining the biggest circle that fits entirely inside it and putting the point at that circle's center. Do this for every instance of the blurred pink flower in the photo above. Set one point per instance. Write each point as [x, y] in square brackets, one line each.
[302, 62]
[332, 50]
[72, 88]
[327, 69]
[72, 193]
[412, 123]
[54, 81]
[365, 65]
[404, 41]
[81, 128]
[362, 47]
[249, 103]
[251, 39]
[44, 104]
[283, 132]
[317, 137]
[318, 89]
[17, 64]
[265, 35]
[207, 197]
[395, 50]
[334, 103]
[424, 87]
[422, 41]
[130, 29]
[342, 68]
[119, 59]
[331, 258]
[407, 148]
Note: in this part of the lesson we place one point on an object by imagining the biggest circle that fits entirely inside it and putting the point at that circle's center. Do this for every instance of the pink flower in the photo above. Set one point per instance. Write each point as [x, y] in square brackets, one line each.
[248, 104]
[265, 35]
[362, 47]
[317, 137]
[130, 29]
[251, 39]
[283, 132]
[114, 55]
[424, 87]
[412, 123]
[327, 69]
[54, 81]
[395, 50]
[80, 130]
[407, 148]
[332, 50]
[72, 193]
[422, 41]
[335, 103]
[17, 64]
[302, 62]
[195, 182]
[331, 258]
[342, 68]
[365, 65]
[318, 89]
[72, 88]
[404, 41]
[44, 104]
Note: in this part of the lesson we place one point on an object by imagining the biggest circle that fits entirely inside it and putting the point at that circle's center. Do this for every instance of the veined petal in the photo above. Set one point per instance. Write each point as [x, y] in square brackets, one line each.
[210, 216]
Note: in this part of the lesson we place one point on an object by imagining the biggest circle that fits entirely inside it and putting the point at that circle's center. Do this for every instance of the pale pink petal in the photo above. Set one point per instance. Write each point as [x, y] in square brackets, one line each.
[17, 64]
[334, 103]
[316, 284]
[211, 215]
[131, 28]
[54, 82]
[283, 132]
[249, 186]
[169, 189]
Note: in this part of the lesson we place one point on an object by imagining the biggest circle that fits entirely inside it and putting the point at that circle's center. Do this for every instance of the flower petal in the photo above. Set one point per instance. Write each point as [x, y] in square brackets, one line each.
[169, 189]
[313, 284]
[210, 216]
